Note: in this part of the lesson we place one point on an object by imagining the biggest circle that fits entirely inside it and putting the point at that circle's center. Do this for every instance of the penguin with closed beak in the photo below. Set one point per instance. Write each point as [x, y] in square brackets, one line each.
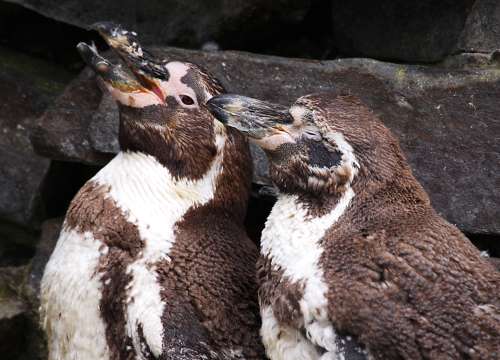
[153, 261]
[353, 245]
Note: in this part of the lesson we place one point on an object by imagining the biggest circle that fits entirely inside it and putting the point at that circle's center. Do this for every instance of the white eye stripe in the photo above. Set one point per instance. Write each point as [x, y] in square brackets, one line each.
[348, 156]
[299, 114]
[175, 87]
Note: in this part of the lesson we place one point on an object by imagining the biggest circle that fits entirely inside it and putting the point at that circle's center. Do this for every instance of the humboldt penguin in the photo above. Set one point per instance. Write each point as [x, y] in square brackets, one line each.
[153, 261]
[353, 245]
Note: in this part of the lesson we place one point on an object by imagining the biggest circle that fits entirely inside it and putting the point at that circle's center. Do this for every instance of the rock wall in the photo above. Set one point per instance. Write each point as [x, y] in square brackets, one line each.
[430, 70]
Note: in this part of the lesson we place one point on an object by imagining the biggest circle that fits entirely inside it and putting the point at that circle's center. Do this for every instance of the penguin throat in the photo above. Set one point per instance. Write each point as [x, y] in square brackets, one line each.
[185, 155]
[142, 178]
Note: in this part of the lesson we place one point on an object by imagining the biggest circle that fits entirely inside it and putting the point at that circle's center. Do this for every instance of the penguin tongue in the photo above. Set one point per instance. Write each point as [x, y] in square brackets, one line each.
[149, 84]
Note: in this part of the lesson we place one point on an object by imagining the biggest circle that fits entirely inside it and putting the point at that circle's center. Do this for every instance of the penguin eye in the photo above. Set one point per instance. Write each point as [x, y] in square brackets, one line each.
[313, 133]
[187, 100]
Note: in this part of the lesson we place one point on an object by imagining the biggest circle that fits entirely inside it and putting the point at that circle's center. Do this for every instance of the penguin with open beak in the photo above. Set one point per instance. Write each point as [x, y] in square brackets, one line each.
[153, 261]
[353, 246]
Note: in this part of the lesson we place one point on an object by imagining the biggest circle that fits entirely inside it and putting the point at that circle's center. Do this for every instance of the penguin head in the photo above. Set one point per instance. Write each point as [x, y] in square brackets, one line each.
[321, 144]
[162, 104]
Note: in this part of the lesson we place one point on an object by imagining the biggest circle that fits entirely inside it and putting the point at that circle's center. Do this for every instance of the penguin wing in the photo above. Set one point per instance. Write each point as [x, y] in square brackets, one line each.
[349, 348]
[415, 294]
[183, 335]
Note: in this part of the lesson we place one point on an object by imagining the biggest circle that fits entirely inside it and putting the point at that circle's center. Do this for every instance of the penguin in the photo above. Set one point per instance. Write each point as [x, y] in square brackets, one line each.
[353, 245]
[153, 261]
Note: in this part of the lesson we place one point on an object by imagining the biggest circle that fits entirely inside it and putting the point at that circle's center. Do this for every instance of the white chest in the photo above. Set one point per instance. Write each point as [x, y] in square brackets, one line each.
[291, 237]
[291, 240]
[149, 197]
[70, 298]
[152, 199]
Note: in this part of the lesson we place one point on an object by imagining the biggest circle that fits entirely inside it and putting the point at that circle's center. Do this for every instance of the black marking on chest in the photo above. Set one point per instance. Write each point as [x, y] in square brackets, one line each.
[93, 211]
[144, 346]
[350, 348]
[320, 156]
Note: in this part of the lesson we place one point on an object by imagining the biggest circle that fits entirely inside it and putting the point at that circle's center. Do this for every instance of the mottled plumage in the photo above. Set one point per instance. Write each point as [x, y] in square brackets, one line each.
[353, 245]
[153, 261]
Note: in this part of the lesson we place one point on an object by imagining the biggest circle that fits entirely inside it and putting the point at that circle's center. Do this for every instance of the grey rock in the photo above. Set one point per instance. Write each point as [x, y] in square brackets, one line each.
[27, 87]
[410, 31]
[20, 336]
[189, 23]
[447, 120]
[482, 28]
[415, 31]
[210, 46]
[12, 321]
[62, 132]
[103, 128]
[472, 60]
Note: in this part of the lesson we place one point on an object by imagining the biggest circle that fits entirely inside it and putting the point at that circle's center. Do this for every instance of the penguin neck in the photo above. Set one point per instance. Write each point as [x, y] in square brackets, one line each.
[294, 229]
[139, 181]
[317, 203]
[186, 153]
[224, 183]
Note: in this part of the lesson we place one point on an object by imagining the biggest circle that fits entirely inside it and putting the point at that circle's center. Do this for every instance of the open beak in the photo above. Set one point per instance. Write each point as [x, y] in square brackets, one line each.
[113, 75]
[255, 118]
[148, 71]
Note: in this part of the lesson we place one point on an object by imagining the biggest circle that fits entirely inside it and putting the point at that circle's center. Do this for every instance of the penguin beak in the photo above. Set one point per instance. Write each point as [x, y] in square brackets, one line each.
[146, 69]
[123, 86]
[113, 75]
[255, 118]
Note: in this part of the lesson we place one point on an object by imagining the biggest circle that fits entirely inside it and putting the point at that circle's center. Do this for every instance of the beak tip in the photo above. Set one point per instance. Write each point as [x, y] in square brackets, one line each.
[105, 28]
[85, 50]
[81, 46]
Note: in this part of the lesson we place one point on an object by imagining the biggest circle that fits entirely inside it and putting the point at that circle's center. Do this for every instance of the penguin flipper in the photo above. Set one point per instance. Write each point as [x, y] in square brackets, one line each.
[184, 336]
[349, 348]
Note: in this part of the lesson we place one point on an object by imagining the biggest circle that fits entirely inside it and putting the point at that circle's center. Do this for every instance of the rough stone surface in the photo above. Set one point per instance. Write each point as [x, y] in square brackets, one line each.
[415, 31]
[20, 336]
[27, 86]
[12, 321]
[482, 28]
[445, 119]
[63, 131]
[187, 23]
[395, 30]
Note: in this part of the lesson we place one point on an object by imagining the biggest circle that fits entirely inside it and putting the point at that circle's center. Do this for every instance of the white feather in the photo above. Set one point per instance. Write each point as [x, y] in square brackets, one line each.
[291, 241]
[152, 199]
[70, 296]
[284, 343]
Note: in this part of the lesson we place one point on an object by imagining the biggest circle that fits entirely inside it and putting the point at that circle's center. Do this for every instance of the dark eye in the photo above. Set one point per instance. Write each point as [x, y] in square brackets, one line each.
[187, 100]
